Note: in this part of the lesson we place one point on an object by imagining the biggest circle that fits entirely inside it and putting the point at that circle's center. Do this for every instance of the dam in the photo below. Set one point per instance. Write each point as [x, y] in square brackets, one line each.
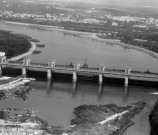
[75, 70]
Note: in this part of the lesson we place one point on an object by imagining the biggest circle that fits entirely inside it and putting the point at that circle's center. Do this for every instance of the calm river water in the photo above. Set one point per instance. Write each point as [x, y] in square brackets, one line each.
[54, 101]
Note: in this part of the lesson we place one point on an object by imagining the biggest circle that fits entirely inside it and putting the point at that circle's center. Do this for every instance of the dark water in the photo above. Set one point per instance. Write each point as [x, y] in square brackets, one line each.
[54, 101]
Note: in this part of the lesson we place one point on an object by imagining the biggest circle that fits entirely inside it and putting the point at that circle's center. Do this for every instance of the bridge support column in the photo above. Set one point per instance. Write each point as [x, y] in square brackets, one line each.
[49, 74]
[3, 61]
[74, 77]
[0, 70]
[24, 72]
[51, 65]
[126, 81]
[100, 78]
[26, 64]
[127, 73]
[102, 69]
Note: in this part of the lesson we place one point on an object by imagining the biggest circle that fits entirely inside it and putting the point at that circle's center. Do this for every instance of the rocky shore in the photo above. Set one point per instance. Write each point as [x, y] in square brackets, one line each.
[153, 118]
[104, 119]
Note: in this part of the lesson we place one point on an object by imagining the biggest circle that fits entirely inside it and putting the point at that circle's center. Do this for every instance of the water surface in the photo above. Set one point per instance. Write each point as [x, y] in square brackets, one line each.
[54, 101]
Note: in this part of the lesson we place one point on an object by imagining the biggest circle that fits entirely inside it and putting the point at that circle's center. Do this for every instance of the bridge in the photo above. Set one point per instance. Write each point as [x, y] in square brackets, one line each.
[75, 69]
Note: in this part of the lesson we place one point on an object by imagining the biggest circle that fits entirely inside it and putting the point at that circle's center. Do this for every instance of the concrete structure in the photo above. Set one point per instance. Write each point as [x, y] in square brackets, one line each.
[74, 75]
[102, 70]
[0, 70]
[26, 64]
[51, 65]
[3, 60]
[127, 73]
[2, 54]
[76, 70]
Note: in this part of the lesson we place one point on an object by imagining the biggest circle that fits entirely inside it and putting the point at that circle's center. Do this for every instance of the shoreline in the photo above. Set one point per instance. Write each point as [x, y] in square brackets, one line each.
[29, 52]
[55, 28]
[113, 42]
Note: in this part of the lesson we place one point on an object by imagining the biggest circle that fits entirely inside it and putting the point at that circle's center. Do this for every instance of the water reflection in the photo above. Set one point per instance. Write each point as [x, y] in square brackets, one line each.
[49, 84]
[84, 90]
[74, 88]
[125, 99]
[100, 91]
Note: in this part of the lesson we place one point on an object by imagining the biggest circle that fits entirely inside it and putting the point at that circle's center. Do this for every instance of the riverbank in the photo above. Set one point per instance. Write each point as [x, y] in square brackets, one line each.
[115, 42]
[55, 28]
[153, 118]
[104, 119]
[31, 50]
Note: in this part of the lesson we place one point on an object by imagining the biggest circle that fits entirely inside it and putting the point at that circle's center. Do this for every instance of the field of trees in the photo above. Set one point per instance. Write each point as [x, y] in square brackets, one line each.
[13, 45]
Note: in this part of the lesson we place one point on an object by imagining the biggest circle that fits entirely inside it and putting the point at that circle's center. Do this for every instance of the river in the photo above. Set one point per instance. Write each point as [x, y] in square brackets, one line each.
[54, 101]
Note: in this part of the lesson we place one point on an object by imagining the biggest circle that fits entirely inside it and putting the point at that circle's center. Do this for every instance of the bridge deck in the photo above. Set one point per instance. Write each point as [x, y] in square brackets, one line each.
[109, 73]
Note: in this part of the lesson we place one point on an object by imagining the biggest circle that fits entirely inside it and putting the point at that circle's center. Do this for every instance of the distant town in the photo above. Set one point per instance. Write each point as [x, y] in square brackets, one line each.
[136, 26]
[57, 12]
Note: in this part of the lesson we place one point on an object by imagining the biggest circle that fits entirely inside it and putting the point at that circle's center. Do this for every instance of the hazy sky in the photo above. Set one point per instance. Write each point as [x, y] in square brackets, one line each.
[124, 2]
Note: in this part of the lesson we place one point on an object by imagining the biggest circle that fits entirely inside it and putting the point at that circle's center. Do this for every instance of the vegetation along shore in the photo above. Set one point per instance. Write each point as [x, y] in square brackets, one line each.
[16, 46]
[153, 117]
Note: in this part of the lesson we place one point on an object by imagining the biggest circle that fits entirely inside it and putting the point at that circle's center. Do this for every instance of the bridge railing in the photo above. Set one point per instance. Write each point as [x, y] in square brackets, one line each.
[17, 62]
[89, 69]
[137, 73]
[115, 71]
[39, 64]
[64, 66]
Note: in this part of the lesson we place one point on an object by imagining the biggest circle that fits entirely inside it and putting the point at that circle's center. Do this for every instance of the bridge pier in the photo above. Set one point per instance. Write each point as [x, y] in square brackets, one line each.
[49, 74]
[126, 81]
[100, 78]
[26, 64]
[24, 72]
[51, 65]
[0, 70]
[3, 60]
[74, 77]
[127, 73]
[102, 69]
